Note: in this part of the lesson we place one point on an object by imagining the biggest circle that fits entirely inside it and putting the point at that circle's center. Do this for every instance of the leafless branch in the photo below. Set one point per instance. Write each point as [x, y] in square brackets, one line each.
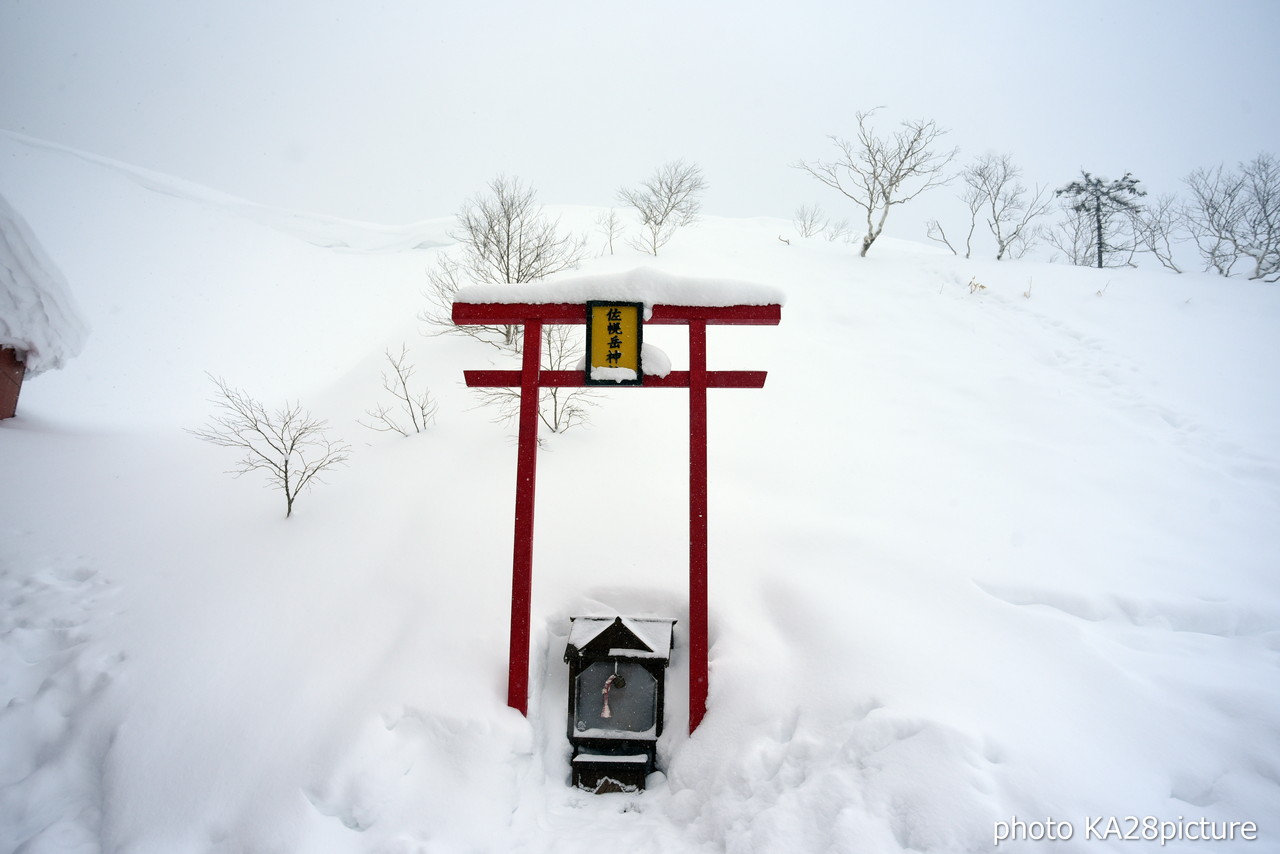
[809, 220]
[558, 408]
[839, 230]
[505, 239]
[1234, 215]
[878, 172]
[994, 186]
[418, 406]
[935, 232]
[288, 445]
[1158, 226]
[610, 225]
[666, 201]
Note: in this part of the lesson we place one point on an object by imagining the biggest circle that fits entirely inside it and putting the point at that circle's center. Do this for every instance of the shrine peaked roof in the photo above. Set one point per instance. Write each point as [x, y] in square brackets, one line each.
[653, 633]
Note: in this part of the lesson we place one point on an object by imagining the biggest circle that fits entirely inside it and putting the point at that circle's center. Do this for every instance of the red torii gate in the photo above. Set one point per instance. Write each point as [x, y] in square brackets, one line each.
[530, 378]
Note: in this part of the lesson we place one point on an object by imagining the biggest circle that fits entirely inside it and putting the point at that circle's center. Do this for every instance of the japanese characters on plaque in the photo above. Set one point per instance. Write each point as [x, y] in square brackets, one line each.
[614, 339]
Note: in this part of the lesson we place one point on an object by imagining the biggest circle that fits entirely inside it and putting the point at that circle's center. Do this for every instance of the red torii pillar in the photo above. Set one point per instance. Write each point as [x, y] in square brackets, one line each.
[530, 378]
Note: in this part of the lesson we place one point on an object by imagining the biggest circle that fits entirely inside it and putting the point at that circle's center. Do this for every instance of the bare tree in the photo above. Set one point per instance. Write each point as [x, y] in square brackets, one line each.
[562, 408]
[1234, 215]
[973, 197]
[1108, 206]
[558, 408]
[809, 220]
[1158, 226]
[417, 405]
[877, 172]
[666, 201]
[994, 187]
[1074, 237]
[839, 230]
[973, 200]
[444, 280]
[289, 446]
[1214, 209]
[610, 225]
[505, 239]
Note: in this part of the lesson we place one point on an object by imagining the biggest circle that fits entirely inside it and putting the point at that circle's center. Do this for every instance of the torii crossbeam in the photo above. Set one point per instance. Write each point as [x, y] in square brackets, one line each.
[533, 316]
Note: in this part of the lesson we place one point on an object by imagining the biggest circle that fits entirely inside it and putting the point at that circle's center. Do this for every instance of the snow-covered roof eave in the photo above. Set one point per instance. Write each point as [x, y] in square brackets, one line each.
[38, 316]
[654, 632]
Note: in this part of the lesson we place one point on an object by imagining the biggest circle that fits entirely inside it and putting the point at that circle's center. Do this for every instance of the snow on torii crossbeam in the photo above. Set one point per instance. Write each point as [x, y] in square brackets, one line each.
[661, 299]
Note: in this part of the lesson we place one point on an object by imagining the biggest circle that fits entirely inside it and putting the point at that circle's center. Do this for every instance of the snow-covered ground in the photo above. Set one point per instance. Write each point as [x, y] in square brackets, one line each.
[977, 553]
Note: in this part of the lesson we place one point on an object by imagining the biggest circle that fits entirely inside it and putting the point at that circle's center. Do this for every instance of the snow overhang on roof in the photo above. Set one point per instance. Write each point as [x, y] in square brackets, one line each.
[644, 285]
[38, 316]
[653, 636]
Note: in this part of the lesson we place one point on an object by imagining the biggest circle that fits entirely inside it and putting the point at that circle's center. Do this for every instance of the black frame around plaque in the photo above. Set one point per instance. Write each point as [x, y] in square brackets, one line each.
[639, 307]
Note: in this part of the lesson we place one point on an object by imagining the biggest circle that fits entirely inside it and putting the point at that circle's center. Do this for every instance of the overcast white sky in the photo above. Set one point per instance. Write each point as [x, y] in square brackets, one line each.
[396, 111]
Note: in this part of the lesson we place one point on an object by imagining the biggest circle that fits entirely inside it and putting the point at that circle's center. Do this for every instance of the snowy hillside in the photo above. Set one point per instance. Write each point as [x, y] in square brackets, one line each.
[995, 540]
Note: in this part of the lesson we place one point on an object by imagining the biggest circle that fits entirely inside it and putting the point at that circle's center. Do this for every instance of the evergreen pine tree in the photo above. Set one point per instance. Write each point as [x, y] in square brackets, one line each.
[1102, 201]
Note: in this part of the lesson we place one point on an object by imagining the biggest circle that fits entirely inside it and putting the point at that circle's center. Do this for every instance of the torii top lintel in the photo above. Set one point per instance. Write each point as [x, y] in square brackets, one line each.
[474, 313]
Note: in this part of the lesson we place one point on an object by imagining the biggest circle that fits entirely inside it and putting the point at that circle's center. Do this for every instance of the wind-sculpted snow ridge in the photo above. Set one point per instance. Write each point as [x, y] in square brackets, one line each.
[324, 231]
[38, 315]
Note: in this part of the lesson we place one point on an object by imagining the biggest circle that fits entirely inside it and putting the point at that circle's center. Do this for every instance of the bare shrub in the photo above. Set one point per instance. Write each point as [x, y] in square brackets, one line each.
[558, 408]
[1234, 215]
[289, 446]
[1158, 227]
[609, 224]
[667, 200]
[416, 405]
[994, 187]
[809, 220]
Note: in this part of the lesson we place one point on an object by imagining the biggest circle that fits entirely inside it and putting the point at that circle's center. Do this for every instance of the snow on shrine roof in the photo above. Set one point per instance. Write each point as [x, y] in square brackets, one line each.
[644, 284]
[38, 316]
[653, 632]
